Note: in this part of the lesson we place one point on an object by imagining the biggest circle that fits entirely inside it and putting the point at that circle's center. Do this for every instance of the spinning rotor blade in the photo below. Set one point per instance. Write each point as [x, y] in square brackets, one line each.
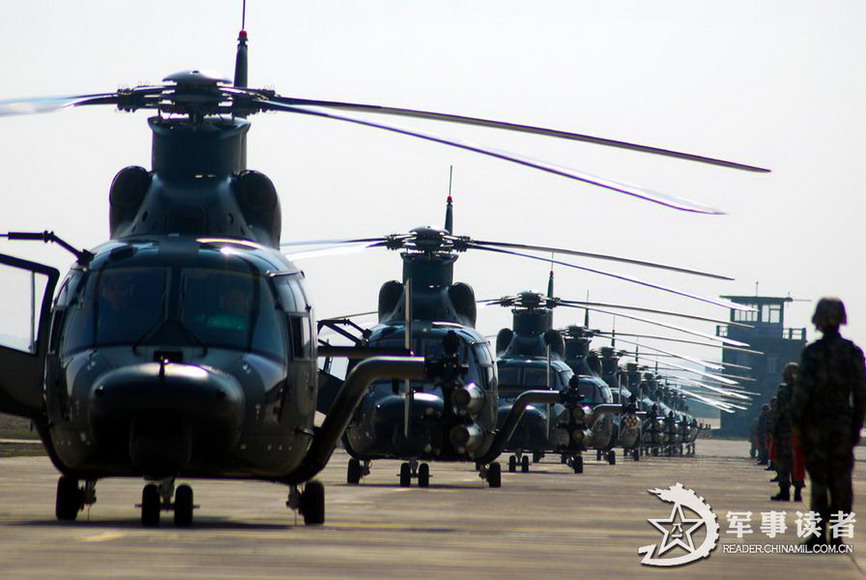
[569, 252]
[679, 356]
[725, 392]
[463, 120]
[619, 187]
[337, 250]
[582, 303]
[37, 105]
[727, 408]
[332, 242]
[703, 374]
[723, 340]
[716, 302]
[617, 335]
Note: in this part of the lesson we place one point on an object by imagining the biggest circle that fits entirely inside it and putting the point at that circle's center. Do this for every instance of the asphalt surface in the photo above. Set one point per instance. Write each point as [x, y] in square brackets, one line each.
[539, 524]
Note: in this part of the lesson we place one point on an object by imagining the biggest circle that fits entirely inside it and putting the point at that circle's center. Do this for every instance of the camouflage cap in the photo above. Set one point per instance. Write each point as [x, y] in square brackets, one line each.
[830, 312]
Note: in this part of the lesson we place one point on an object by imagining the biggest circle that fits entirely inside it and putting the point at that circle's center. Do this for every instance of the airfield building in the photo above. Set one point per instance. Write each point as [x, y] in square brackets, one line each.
[778, 344]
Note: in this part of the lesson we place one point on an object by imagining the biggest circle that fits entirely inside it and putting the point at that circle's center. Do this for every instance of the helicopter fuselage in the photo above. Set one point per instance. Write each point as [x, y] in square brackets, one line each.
[437, 431]
[181, 356]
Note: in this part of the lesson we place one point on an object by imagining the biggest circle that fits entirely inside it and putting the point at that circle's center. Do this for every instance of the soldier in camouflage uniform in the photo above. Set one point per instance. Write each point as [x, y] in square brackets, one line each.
[782, 434]
[828, 406]
[763, 443]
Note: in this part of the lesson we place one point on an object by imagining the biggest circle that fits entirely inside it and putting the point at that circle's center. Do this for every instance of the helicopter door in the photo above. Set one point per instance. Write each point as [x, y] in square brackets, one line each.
[25, 313]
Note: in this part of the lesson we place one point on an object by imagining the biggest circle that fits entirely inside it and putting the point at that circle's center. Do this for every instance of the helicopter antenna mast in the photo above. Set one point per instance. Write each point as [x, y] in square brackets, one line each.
[241, 57]
[449, 212]
[550, 278]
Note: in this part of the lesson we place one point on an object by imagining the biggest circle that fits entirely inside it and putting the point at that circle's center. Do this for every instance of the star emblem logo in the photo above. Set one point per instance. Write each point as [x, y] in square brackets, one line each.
[677, 530]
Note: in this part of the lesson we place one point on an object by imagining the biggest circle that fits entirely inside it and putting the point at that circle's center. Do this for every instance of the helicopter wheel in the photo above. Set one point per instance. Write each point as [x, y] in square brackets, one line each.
[183, 506]
[424, 475]
[70, 499]
[151, 504]
[524, 464]
[512, 464]
[536, 456]
[494, 475]
[312, 504]
[563, 459]
[611, 457]
[635, 454]
[353, 475]
[405, 475]
[598, 454]
[577, 464]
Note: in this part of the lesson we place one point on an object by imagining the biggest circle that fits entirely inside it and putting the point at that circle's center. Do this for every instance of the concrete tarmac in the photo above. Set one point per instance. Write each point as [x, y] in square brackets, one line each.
[543, 524]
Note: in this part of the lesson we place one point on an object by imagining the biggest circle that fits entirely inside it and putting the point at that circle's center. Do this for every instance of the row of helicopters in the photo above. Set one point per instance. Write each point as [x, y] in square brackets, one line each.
[186, 346]
[597, 404]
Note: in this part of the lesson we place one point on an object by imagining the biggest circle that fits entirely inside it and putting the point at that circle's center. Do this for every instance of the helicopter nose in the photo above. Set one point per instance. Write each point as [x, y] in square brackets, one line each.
[531, 431]
[169, 414]
[423, 437]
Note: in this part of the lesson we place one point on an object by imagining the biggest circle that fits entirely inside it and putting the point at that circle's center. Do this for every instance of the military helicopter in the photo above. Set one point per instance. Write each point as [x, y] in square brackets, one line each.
[196, 234]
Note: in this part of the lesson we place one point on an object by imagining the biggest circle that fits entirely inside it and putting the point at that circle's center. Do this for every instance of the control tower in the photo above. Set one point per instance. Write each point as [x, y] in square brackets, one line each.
[780, 346]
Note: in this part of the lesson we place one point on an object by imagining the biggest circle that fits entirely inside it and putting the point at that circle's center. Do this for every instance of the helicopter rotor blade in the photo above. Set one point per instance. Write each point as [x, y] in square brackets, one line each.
[672, 339]
[696, 361]
[333, 242]
[582, 303]
[707, 299]
[608, 257]
[723, 340]
[37, 105]
[334, 250]
[464, 120]
[619, 187]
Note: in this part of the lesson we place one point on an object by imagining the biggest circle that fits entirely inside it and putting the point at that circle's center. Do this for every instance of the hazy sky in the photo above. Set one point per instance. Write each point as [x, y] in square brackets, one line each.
[773, 83]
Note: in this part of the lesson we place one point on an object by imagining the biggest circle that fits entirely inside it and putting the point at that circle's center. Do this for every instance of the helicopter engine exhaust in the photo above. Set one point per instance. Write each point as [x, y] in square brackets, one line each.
[466, 438]
[468, 399]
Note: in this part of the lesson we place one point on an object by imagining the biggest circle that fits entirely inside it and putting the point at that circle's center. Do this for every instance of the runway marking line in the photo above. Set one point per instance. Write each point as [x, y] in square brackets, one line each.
[103, 537]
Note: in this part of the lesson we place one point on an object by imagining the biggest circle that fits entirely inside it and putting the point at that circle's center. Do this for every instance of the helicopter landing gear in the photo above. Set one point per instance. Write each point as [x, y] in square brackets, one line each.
[611, 457]
[310, 502]
[410, 470]
[150, 506]
[156, 497]
[598, 453]
[356, 471]
[72, 498]
[183, 506]
[491, 473]
[537, 456]
[635, 454]
[423, 475]
[575, 462]
[518, 459]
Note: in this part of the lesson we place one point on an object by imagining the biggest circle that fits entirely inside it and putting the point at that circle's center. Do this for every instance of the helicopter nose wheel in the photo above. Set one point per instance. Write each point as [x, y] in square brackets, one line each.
[492, 473]
[635, 454]
[156, 497]
[310, 502]
[611, 457]
[72, 498]
[575, 462]
[524, 464]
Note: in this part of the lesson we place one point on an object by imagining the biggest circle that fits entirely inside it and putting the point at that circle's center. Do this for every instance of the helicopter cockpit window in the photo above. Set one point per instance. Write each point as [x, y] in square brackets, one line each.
[131, 301]
[230, 310]
[117, 306]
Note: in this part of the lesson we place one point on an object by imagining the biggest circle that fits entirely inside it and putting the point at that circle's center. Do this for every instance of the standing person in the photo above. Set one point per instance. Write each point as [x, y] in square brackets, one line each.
[763, 429]
[782, 434]
[827, 407]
